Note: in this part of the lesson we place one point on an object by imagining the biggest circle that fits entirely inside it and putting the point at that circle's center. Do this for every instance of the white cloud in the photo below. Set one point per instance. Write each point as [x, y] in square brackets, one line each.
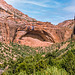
[31, 11]
[41, 3]
[35, 2]
[71, 7]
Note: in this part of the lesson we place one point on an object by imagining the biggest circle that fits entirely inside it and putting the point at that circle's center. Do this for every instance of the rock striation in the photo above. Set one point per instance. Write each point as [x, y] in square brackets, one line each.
[20, 28]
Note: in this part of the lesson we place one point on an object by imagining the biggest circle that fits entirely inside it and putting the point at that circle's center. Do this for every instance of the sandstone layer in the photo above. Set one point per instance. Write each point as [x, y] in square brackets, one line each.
[20, 28]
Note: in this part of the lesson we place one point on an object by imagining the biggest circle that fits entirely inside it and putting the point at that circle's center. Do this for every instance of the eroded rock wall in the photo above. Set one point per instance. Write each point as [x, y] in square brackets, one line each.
[19, 28]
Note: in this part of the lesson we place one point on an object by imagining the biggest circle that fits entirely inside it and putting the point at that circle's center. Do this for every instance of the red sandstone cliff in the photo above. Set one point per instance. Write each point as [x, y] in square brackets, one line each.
[20, 28]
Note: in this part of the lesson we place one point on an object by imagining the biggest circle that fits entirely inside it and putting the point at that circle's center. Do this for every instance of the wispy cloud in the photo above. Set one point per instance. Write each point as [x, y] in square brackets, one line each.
[36, 3]
[70, 7]
[53, 4]
[54, 11]
[37, 12]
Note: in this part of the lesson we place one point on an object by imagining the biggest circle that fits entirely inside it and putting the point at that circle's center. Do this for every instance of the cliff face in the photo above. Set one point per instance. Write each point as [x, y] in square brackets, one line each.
[68, 24]
[20, 28]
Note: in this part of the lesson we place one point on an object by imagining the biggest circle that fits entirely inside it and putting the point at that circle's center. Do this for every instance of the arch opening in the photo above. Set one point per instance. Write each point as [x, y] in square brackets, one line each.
[35, 35]
[41, 36]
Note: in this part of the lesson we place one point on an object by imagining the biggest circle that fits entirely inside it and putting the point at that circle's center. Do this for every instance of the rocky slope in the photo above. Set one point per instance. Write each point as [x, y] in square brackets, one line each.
[67, 24]
[20, 28]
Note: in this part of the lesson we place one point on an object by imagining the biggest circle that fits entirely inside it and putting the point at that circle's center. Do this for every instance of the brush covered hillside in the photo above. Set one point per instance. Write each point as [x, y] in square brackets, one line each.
[20, 28]
[58, 59]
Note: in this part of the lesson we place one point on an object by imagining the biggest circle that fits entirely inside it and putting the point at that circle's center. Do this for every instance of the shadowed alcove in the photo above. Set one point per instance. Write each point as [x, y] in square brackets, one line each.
[42, 36]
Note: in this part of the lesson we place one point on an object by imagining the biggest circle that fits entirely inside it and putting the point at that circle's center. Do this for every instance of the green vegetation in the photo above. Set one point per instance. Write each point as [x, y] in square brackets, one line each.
[24, 60]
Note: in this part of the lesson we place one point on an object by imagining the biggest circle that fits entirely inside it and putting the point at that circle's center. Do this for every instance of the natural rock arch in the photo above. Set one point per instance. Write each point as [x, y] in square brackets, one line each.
[38, 35]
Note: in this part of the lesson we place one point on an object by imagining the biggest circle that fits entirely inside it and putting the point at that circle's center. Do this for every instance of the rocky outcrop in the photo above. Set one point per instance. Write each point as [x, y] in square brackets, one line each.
[68, 24]
[19, 28]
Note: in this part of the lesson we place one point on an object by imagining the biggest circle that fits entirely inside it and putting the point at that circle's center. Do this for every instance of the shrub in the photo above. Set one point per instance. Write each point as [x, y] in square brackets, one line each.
[69, 63]
[50, 55]
[22, 73]
[41, 65]
[52, 71]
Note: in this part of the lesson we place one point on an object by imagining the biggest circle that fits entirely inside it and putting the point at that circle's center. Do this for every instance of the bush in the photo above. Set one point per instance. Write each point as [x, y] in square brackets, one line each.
[50, 55]
[22, 73]
[69, 63]
[52, 71]
[40, 65]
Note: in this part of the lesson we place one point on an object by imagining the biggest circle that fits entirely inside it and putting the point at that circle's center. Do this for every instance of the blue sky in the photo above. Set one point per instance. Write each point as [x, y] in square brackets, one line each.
[54, 11]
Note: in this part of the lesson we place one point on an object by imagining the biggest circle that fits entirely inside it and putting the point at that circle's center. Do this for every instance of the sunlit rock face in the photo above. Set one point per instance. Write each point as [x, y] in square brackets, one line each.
[19, 28]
